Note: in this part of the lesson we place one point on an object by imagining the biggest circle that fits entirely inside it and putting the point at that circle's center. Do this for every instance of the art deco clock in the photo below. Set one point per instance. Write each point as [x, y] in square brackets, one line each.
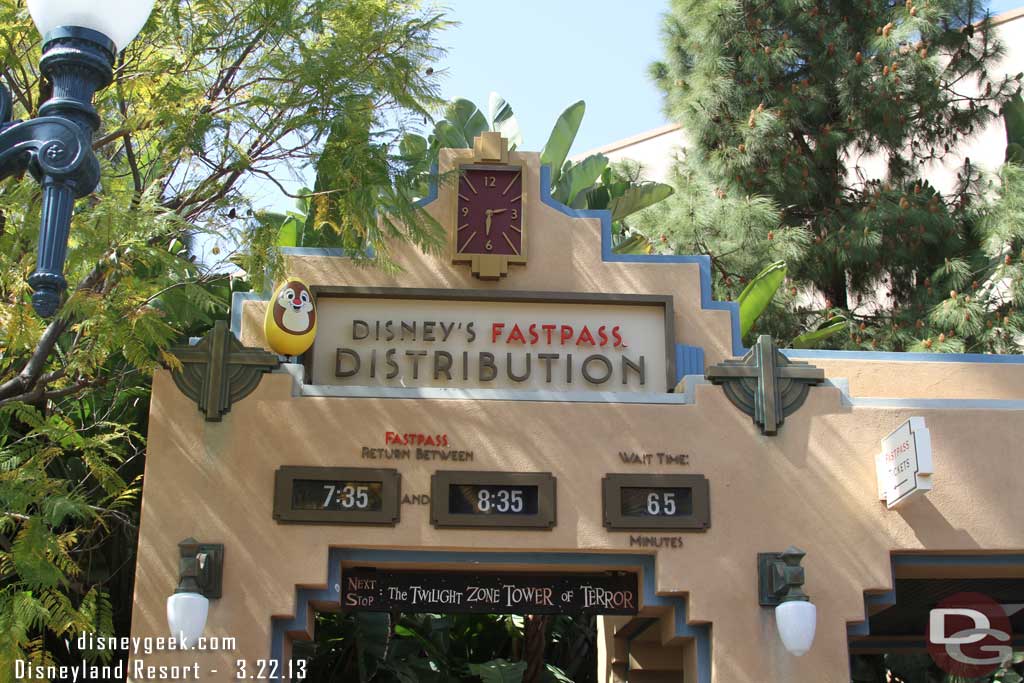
[489, 226]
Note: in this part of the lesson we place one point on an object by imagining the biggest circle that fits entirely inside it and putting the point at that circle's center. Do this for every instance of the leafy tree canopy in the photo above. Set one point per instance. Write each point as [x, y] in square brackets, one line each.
[214, 100]
[812, 126]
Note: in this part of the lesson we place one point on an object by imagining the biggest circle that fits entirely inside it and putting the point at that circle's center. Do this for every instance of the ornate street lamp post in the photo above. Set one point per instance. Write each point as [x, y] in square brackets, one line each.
[80, 41]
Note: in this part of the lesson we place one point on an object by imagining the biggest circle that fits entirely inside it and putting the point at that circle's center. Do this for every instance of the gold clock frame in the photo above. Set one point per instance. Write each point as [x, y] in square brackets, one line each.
[490, 151]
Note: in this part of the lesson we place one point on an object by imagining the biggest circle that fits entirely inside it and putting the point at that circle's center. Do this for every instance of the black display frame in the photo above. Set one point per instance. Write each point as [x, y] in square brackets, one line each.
[611, 499]
[544, 519]
[391, 496]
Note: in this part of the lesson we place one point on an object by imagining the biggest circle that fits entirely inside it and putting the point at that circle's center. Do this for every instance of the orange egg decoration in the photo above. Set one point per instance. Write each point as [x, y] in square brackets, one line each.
[290, 323]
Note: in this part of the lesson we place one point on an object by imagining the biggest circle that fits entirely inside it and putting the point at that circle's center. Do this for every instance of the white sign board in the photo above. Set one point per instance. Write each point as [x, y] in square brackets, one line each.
[904, 465]
[595, 344]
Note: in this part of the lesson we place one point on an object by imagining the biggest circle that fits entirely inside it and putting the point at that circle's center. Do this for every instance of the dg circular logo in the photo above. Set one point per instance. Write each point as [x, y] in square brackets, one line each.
[969, 635]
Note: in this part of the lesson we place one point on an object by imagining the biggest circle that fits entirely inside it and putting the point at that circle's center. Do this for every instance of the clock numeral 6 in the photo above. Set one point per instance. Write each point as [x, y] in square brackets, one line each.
[489, 246]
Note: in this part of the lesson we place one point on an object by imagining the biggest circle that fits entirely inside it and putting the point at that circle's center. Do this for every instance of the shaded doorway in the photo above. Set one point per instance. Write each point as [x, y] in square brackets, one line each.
[398, 647]
[946, 620]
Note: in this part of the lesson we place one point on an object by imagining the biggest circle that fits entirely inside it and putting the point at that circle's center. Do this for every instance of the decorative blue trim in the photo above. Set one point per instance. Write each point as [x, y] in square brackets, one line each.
[608, 256]
[432, 192]
[905, 356]
[236, 310]
[689, 361]
[332, 593]
[938, 403]
[886, 599]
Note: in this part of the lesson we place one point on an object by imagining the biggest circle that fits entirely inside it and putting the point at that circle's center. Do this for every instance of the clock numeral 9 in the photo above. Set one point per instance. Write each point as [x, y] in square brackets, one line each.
[465, 211]
[489, 181]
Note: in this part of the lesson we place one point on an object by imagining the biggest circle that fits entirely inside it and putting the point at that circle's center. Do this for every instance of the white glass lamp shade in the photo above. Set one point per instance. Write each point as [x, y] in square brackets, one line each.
[186, 616]
[796, 621]
[119, 20]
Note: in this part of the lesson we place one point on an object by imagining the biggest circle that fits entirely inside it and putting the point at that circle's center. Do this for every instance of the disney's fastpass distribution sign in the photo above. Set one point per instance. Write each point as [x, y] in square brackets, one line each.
[558, 342]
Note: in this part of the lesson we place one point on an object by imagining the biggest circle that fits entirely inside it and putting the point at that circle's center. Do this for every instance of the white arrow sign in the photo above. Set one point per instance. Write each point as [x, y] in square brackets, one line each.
[904, 465]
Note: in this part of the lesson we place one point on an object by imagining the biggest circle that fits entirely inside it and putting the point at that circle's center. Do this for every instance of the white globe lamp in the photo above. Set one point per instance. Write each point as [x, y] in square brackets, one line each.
[797, 621]
[119, 20]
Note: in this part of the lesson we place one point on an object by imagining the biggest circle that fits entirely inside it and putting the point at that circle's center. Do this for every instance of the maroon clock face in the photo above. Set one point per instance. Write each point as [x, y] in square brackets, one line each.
[489, 216]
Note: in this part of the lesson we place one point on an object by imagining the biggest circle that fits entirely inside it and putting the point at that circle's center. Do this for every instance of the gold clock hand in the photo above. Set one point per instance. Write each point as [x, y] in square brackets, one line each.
[487, 223]
[495, 212]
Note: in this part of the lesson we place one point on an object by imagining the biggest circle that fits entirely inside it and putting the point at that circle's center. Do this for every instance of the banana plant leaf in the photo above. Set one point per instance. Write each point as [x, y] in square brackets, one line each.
[448, 134]
[578, 178]
[754, 299]
[562, 136]
[503, 120]
[465, 116]
[413, 147]
[552, 674]
[1013, 117]
[634, 244]
[373, 636]
[637, 197]
[499, 671]
[808, 340]
[290, 234]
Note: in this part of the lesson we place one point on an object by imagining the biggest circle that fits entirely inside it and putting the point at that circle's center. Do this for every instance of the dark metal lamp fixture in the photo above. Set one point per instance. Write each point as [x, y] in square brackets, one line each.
[780, 580]
[200, 578]
[80, 41]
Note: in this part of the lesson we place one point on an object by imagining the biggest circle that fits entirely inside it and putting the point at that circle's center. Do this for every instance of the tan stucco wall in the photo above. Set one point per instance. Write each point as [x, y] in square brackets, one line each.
[813, 485]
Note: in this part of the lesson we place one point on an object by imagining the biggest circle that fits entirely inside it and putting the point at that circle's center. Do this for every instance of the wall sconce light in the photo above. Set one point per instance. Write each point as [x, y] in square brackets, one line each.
[780, 585]
[200, 571]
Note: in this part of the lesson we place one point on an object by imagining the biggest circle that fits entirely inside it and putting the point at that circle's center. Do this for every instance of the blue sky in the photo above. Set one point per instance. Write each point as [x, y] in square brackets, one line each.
[542, 56]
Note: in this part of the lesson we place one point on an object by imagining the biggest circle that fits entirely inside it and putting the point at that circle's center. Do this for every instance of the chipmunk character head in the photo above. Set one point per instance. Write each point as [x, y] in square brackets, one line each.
[293, 308]
[290, 325]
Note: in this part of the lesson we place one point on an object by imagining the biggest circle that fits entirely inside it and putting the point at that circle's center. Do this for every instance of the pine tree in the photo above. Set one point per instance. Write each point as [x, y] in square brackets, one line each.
[789, 100]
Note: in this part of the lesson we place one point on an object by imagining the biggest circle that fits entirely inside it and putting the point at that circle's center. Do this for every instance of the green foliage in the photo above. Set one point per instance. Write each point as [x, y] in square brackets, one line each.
[450, 648]
[1013, 118]
[562, 136]
[810, 127]
[214, 100]
[755, 297]
[921, 668]
[499, 671]
[758, 295]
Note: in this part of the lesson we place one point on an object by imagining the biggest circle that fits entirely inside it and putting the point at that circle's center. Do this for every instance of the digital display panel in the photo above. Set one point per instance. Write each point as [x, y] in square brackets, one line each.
[319, 494]
[639, 502]
[492, 499]
[336, 495]
[509, 500]
[644, 501]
